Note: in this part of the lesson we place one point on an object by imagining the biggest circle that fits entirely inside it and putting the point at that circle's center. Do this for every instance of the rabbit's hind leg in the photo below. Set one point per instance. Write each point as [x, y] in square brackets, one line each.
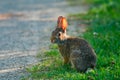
[79, 65]
[77, 62]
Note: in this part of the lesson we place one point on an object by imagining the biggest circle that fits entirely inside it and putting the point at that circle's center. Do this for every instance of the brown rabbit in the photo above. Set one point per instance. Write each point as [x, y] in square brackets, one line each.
[74, 50]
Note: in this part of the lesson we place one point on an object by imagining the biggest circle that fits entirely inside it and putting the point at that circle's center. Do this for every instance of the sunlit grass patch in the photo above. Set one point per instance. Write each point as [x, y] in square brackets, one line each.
[55, 70]
[53, 46]
[47, 53]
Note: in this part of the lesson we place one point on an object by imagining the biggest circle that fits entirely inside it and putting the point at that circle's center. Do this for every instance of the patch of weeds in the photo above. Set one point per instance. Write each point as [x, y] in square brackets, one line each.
[49, 53]
[53, 46]
[52, 53]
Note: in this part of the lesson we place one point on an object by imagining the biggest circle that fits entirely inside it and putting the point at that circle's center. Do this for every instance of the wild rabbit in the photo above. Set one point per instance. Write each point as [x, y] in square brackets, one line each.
[74, 50]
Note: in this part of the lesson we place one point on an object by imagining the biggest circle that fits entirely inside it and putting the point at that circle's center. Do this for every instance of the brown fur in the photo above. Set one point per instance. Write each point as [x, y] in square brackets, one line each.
[74, 50]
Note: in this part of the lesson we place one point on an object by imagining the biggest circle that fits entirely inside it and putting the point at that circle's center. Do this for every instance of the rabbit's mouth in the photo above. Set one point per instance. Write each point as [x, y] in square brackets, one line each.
[52, 41]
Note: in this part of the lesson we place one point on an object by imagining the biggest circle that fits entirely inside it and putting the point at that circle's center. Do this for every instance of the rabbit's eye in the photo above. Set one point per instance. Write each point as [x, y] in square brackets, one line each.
[59, 34]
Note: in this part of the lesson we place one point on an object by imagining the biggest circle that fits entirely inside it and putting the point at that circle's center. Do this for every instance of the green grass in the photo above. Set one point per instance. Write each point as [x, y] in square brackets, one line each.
[54, 69]
[103, 34]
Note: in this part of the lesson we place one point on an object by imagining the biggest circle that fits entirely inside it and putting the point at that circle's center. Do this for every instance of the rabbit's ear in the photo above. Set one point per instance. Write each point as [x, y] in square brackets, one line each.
[62, 23]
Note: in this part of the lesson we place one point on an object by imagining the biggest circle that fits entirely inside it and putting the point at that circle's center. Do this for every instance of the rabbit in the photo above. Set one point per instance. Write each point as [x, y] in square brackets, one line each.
[74, 50]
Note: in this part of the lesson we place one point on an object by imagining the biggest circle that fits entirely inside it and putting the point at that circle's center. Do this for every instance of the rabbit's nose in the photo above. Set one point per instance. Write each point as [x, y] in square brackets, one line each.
[52, 41]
